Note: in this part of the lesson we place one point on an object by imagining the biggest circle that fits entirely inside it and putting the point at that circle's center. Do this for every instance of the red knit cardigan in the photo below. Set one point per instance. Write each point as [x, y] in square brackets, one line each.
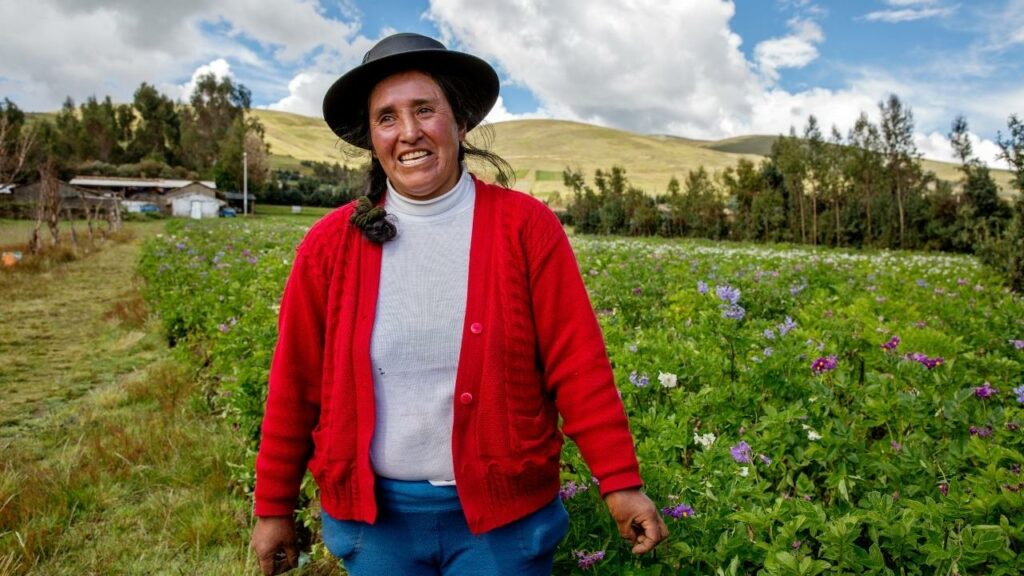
[531, 350]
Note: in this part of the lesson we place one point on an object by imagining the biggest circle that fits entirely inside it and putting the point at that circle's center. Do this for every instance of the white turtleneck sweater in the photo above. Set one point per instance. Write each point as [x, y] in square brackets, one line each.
[417, 333]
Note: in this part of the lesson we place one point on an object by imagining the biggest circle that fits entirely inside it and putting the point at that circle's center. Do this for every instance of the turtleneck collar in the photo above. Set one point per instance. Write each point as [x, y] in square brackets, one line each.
[450, 201]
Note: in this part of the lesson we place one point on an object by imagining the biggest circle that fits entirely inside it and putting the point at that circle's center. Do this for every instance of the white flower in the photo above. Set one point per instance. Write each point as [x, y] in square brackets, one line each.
[744, 471]
[812, 435]
[667, 379]
[704, 440]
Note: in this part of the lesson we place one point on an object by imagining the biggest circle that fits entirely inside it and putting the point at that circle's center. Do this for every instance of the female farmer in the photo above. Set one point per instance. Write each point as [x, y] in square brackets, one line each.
[425, 353]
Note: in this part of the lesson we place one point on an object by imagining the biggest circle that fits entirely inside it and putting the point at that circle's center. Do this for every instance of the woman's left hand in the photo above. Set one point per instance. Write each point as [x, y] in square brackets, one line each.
[637, 518]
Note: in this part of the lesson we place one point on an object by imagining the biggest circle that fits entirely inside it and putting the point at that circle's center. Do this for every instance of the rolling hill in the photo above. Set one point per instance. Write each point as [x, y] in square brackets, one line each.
[539, 150]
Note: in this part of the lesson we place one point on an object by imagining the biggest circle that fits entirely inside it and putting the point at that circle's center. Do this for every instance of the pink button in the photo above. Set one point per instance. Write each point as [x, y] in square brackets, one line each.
[466, 398]
[476, 327]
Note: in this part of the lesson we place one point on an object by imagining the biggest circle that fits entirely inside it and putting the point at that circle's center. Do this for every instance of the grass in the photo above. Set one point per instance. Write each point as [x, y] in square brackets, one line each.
[112, 464]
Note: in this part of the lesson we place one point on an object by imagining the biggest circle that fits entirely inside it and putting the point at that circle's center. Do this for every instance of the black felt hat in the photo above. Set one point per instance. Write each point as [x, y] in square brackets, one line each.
[346, 101]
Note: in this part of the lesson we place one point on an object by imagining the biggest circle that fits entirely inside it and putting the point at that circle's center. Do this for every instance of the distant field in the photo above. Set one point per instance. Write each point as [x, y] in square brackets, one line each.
[539, 150]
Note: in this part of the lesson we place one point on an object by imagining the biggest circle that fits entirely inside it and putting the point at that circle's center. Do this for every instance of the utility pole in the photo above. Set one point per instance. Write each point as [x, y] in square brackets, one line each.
[245, 183]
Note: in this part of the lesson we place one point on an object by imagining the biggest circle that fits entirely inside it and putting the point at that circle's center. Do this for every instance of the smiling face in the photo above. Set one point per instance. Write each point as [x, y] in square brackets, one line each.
[415, 135]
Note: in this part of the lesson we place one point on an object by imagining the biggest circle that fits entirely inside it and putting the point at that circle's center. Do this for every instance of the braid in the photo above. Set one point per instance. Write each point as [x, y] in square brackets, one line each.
[369, 217]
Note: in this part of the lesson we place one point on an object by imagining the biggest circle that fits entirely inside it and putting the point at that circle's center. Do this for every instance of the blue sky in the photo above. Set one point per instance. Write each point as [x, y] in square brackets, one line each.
[695, 68]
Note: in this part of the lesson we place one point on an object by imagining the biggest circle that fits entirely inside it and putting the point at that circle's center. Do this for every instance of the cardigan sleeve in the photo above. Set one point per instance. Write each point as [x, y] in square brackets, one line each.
[577, 372]
[293, 399]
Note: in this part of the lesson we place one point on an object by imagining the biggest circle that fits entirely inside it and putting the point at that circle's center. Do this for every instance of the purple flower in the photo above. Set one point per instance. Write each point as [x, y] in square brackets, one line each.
[640, 381]
[1019, 391]
[922, 284]
[570, 489]
[678, 511]
[181, 246]
[733, 312]
[764, 459]
[983, 432]
[824, 364]
[920, 324]
[727, 294]
[702, 287]
[787, 325]
[769, 333]
[796, 544]
[796, 289]
[896, 446]
[768, 351]
[1018, 344]
[741, 453]
[587, 560]
[638, 291]
[985, 391]
[944, 489]
[892, 343]
[924, 360]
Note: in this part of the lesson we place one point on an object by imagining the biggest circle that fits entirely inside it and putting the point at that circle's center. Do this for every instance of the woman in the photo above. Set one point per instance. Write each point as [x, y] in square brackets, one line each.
[425, 354]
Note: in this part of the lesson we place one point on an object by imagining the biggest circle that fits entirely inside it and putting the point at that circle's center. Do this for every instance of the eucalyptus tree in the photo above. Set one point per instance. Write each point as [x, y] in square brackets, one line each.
[864, 166]
[901, 156]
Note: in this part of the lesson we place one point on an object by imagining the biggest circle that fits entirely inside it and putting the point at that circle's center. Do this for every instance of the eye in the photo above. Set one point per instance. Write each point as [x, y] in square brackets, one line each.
[424, 110]
[386, 119]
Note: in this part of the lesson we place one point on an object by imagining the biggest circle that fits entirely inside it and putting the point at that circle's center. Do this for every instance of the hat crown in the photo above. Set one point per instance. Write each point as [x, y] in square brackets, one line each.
[401, 43]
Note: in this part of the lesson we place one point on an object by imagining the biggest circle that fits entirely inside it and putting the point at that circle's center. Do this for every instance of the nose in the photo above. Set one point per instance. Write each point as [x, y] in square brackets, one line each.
[410, 128]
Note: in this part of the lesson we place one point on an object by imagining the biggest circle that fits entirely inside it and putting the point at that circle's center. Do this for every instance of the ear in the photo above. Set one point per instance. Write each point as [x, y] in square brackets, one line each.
[462, 133]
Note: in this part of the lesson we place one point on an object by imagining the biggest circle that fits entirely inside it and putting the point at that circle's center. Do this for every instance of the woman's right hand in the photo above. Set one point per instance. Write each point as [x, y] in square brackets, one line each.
[275, 543]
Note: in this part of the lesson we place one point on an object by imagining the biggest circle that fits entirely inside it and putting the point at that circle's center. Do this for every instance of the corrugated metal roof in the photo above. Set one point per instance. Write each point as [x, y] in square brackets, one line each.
[115, 182]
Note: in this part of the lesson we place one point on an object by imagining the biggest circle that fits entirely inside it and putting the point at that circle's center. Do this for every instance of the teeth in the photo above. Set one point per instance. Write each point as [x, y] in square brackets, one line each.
[413, 155]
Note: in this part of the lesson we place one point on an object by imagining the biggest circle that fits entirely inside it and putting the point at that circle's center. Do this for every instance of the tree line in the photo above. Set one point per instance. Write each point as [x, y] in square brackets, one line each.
[866, 189]
[153, 136]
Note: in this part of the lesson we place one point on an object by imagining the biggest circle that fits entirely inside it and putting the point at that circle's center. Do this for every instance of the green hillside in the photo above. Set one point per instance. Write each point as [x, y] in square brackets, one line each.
[539, 150]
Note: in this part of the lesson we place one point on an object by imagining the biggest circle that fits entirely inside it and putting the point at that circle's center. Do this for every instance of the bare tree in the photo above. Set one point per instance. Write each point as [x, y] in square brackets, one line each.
[16, 143]
[48, 206]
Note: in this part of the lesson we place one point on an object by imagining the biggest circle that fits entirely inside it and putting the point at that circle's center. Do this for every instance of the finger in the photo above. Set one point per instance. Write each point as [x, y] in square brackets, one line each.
[267, 565]
[293, 556]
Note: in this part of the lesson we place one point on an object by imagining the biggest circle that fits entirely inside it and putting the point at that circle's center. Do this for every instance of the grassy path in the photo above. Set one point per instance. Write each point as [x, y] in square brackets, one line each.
[109, 464]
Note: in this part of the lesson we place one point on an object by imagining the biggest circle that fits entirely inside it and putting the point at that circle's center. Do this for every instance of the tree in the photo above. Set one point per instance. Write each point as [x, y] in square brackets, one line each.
[790, 160]
[982, 214]
[16, 142]
[157, 133]
[1012, 150]
[900, 153]
[864, 165]
[817, 169]
[215, 107]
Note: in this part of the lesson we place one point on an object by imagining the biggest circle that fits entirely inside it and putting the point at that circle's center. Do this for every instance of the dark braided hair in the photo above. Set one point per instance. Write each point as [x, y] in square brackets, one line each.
[369, 216]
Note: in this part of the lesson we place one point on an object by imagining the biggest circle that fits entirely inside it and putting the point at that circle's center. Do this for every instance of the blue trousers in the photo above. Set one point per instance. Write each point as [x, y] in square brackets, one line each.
[420, 529]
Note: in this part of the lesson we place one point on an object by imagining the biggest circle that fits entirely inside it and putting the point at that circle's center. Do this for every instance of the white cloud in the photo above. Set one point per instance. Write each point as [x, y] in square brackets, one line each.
[101, 47]
[219, 68]
[500, 114]
[305, 94]
[908, 14]
[587, 61]
[794, 51]
[909, 2]
[936, 146]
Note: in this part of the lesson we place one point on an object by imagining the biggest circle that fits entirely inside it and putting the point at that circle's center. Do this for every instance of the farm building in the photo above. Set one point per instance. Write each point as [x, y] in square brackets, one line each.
[19, 201]
[195, 200]
[169, 196]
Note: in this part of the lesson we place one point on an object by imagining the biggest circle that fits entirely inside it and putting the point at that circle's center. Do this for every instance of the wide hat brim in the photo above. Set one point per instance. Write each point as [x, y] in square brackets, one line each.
[346, 101]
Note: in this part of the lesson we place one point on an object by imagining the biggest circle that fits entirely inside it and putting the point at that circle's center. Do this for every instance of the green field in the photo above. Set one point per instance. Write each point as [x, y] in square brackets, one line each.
[795, 410]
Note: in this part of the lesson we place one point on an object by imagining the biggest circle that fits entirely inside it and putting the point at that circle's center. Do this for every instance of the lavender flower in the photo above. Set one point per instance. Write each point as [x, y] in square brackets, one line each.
[727, 294]
[768, 351]
[733, 312]
[678, 511]
[985, 391]
[764, 459]
[587, 560]
[741, 453]
[640, 381]
[769, 333]
[1018, 344]
[787, 325]
[702, 287]
[1019, 391]
[892, 343]
[570, 489]
[824, 364]
[896, 446]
